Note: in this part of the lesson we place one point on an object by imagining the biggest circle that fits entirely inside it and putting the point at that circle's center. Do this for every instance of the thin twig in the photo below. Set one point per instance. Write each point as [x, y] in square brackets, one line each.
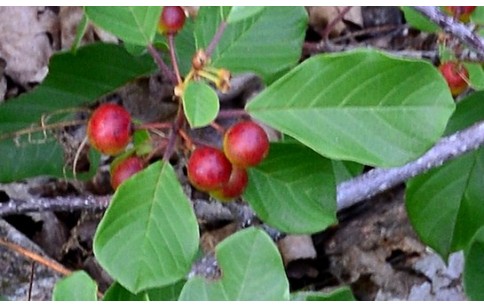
[161, 64]
[216, 39]
[177, 124]
[367, 31]
[36, 257]
[44, 128]
[334, 22]
[457, 29]
[231, 113]
[31, 281]
[174, 61]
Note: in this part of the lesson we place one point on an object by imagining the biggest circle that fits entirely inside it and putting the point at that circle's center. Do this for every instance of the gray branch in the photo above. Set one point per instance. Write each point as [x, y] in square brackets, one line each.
[457, 29]
[379, 179]
[61, 204]
[348, 193]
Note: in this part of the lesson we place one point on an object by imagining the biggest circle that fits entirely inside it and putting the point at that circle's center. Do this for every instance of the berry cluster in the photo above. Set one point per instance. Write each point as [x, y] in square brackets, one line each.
[224, 174]
[109, 130]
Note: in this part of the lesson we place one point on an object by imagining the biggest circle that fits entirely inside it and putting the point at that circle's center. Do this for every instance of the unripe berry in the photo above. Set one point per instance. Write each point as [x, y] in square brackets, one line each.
[109, 129]
[125, 169]
[456, 76]
[208, 168]
[171, 20]
[246, 144]
[234, 187]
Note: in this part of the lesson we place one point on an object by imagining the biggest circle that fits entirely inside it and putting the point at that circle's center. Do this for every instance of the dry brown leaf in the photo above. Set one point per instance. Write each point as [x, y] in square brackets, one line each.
[295, 247]
[210, 239]
[24, 42]
[321, 16]
[69, 19]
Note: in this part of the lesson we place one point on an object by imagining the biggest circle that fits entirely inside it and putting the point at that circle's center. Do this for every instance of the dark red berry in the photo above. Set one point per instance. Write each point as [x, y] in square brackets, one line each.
[125, 169]
[208, 169]
[246, 144]
[171, 20]
[234, 187]
[109, 129]
[456, 76]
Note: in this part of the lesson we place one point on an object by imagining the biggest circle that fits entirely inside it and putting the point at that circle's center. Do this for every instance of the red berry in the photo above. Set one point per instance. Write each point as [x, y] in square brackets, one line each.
[462, 13]
[171, 20]
[125, 169]
[208, 168]
[456, 76]
[234, 187]
[109, 129]
[246, 144]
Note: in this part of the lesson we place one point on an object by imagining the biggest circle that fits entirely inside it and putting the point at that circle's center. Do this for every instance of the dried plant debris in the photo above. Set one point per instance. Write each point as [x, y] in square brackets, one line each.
[69, 20]
[322, 16]
[15, 279]
[26, 42]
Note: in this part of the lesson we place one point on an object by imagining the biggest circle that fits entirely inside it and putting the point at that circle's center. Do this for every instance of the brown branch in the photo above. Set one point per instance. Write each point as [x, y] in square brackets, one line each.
[161, 64]
[216, 38]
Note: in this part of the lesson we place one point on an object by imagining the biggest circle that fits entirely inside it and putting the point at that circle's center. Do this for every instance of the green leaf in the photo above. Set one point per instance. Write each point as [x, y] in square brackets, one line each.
[185, 46]
[76, 287]
[239, 13]
[166, 293]
[149, 234]
[74, 80]
[339, 294]
[345, 170]
[38, 154]
[473, 269]
[142, 142]
[293, 190]
[132, 24]
[81, 30]
[418, 21]
[445, 204]
[117, 292]
[477, 16]
[26, 159]
[268, 43]
[251, 267]
[469, 111]
[363, 106]
[476, 75]
[200, 103]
